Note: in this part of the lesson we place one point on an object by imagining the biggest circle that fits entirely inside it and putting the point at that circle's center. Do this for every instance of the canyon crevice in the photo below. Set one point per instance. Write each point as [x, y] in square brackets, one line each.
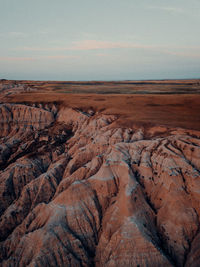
[79, 189]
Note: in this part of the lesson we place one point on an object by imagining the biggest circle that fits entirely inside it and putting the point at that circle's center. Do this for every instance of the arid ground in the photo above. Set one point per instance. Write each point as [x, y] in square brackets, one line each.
[100, 173]
[172, 103]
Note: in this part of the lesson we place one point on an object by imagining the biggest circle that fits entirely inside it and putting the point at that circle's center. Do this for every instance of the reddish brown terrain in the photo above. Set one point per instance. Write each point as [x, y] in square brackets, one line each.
[98, 178]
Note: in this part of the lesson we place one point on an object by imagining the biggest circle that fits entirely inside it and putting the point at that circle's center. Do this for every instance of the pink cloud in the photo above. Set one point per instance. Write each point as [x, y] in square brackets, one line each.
[17, 59]
[90, 45]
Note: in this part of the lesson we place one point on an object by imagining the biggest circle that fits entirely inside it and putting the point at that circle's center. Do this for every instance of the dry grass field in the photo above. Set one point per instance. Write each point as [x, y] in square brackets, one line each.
[172, 103]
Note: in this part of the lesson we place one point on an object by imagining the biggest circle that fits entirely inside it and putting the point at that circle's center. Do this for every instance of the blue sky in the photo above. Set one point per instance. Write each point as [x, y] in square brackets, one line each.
[99, 40]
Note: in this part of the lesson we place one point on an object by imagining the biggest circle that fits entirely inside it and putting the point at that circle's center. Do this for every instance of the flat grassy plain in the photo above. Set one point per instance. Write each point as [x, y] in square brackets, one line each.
[170, 103]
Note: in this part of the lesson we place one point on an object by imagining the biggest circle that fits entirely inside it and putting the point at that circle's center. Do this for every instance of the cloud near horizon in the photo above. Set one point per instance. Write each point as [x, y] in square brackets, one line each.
[89, 45]
[36, 58]
[98, 45]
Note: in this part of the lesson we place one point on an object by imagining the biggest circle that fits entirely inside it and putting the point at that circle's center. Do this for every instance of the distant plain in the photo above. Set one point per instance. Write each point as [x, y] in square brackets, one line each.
[170, 103]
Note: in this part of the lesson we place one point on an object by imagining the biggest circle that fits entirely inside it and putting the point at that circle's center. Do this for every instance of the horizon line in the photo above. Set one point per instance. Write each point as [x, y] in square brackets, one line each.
[101, 80]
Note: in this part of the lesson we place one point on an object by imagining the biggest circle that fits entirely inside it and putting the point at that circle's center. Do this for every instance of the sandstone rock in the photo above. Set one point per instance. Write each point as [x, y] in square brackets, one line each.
[78, 190]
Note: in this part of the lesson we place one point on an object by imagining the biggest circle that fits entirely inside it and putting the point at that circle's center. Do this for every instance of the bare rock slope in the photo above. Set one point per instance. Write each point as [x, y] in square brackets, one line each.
[76, 189]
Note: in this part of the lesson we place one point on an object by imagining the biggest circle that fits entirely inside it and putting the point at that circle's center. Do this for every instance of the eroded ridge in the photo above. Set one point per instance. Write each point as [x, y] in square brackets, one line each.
[76, 189]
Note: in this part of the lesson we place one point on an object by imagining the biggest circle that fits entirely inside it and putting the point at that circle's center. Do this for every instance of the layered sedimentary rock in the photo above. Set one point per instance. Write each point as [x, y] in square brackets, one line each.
[77, 189]
[8, 88]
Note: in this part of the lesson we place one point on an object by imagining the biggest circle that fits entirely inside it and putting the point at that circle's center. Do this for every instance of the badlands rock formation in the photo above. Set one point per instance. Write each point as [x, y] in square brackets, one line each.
[76, 189]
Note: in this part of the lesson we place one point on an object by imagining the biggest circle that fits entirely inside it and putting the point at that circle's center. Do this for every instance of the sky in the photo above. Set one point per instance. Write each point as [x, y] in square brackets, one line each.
[99, 39]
